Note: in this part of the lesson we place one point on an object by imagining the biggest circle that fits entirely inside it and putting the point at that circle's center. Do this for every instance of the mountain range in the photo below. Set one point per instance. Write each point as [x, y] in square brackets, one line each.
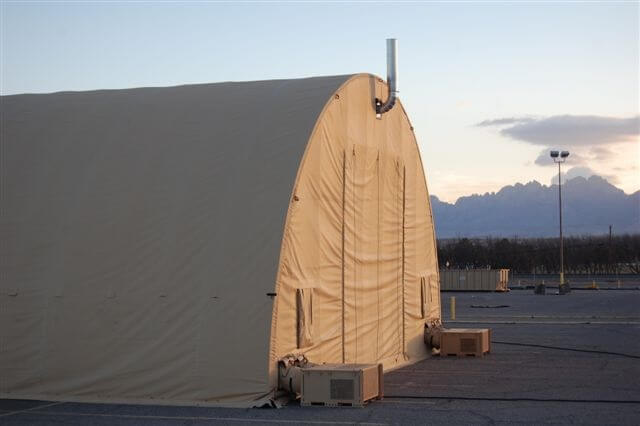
[589, 206]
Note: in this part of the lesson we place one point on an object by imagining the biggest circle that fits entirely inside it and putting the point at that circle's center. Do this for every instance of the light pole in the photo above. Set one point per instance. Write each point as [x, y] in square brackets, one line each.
[559, 158]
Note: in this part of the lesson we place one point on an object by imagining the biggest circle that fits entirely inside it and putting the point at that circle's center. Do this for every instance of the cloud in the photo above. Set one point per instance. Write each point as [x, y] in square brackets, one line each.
[580, 157]
[569, 130]
[599, 145]
[573, 172]
[628, 168]
[585, 172]
[544, 158]
[599, 153]
[504, 121]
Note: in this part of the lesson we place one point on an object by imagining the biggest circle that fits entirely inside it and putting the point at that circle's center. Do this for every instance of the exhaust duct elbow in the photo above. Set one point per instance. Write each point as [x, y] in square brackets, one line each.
[392, 78]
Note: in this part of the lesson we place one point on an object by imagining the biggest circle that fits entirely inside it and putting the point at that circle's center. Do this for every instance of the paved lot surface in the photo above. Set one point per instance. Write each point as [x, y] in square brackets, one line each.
[584, 306]
[611, 281]
[563, 359]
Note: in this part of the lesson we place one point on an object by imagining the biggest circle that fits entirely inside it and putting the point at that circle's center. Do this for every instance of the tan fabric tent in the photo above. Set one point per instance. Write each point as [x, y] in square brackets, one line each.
[169, 245]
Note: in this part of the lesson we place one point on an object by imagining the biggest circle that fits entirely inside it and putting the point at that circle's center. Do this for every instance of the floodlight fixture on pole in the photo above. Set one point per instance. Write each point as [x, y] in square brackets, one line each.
[563, 288]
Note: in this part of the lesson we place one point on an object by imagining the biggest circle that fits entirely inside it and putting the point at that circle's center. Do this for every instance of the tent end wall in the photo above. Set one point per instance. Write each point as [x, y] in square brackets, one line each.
[347, 129]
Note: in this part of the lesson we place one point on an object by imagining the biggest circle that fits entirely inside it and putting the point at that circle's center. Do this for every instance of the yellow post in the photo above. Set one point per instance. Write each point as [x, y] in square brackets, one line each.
[453, 308]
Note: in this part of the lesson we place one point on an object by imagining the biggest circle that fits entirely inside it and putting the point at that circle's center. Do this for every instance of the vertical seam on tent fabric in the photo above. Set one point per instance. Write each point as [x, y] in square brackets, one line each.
[344, 160]
[397, 200]
[311, 308]
[298, 315]
[378, 257]
[355, 247]
[404, 183]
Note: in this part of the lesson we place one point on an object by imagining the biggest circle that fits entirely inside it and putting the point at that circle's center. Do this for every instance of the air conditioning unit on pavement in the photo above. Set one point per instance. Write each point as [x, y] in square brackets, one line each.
[341, 384]
[465, 341]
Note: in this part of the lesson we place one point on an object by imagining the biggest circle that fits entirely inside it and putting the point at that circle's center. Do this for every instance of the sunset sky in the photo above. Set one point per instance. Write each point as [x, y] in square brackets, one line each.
[489, 87]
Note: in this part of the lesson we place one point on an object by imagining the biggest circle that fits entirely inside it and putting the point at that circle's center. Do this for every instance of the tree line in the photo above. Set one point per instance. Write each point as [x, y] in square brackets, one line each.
[606, 254]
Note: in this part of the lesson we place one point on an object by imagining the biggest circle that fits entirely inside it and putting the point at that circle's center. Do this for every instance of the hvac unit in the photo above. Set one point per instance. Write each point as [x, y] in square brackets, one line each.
[465, 341]
[341, 384]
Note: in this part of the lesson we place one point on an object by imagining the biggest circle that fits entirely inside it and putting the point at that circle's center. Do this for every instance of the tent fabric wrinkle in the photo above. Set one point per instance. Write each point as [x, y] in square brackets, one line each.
[170, 245]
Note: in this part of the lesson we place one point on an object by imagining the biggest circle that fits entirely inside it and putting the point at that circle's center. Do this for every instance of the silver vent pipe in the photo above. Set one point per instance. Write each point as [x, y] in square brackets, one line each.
[392, 78]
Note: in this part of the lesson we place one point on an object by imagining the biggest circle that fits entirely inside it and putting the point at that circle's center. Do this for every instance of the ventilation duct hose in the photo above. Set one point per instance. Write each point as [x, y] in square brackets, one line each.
[432, 335]
[392, 78]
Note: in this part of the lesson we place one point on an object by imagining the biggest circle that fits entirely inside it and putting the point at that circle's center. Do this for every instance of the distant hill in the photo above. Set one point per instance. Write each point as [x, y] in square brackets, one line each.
[589, 206]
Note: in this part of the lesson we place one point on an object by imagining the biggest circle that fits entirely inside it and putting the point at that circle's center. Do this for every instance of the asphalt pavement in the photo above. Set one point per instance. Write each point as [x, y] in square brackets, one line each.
[555, 359]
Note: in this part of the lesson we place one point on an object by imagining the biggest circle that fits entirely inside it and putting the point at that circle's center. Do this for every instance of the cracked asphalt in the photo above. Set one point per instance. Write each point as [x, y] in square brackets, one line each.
[550, 369]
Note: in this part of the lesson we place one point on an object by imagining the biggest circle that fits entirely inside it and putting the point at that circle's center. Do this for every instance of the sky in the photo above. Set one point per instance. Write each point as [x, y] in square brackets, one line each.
[490, 87]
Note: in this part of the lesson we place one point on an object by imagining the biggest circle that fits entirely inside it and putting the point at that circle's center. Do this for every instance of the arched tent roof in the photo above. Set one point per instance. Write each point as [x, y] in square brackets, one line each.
[157, 197]
[143, 231]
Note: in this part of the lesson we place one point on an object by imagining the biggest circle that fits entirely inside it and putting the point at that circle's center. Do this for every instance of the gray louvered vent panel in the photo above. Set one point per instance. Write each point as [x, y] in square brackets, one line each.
[342, 389]
[468, 345]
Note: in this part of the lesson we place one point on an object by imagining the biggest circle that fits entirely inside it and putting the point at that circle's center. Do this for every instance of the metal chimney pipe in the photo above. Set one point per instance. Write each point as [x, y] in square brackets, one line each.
[392, 77]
